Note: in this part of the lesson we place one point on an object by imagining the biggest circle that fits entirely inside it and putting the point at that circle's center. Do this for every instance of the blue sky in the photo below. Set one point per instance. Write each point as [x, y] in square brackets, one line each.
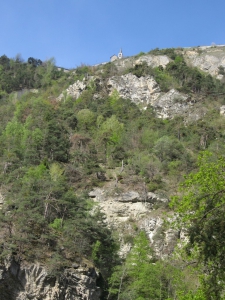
[77, 32]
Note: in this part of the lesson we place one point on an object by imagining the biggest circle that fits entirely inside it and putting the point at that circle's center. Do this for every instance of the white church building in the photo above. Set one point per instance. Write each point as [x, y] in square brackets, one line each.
[115, 57]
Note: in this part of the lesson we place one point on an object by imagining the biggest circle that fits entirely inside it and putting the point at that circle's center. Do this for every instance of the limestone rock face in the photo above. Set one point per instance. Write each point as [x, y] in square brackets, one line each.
[74, 90]
[208, 63]
[143, 90]
[162, 240]
[153, 60]
[208, 59]
[119, 208]
[170, 104]
[20, 282]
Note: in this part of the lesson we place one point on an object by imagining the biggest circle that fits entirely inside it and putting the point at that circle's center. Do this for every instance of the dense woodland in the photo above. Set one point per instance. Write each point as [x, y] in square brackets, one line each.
[52, 153]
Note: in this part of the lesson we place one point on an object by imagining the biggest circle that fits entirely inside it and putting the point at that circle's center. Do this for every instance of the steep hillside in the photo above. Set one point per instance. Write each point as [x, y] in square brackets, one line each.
[90, 160]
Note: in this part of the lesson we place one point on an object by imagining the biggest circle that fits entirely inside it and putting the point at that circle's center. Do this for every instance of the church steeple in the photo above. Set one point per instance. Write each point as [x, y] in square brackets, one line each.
[120, 54]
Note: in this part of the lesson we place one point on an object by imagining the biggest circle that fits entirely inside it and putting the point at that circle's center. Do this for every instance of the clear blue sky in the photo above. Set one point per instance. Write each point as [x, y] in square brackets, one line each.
[90, 31]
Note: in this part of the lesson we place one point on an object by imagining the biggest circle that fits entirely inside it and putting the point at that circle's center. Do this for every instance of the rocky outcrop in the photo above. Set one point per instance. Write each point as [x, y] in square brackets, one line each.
[22, 282]
[171, 104]
[153, 60]
[208, 59]
[143, 90]
[163, 240]
[119, 207]
[74, 90]
[122, 209]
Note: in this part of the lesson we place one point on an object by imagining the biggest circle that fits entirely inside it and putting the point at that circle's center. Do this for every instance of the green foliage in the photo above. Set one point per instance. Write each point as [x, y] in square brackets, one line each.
[95, 251]
[50, 152]
[179, 75]
[199, 295]
[56, 224]
[82, 71]
[16, 75]
[140, 54]
[142, 277]
[201, 208]
[109, 70]
[170, 52]
[168, 149]
[221, 70]
[86, 119]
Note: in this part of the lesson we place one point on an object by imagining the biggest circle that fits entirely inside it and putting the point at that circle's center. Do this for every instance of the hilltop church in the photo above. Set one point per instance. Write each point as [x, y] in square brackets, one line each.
[115, 57]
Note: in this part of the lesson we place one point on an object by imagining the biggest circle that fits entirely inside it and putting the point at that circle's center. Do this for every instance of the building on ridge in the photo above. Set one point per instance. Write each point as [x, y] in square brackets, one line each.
[115, 57]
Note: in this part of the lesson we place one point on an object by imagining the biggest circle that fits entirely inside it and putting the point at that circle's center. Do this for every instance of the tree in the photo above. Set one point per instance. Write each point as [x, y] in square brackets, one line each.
[34, 62]
[168, 149]
[109, 135]
[111, 130]
[86, 119]
[57, 142]
[201, 209]
[141, 277]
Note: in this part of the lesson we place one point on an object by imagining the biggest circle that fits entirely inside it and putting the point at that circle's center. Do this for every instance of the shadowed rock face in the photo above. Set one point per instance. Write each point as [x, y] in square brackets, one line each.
[18, 282]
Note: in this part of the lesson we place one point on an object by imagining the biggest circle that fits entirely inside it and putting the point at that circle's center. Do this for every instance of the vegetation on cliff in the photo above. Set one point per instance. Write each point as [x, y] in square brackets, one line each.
[53, 152]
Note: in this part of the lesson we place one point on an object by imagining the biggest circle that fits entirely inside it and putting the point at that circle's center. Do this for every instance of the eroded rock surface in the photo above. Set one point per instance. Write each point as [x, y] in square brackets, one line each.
[143, 90]
[23, 282]
[122, 209]
[171, 104]
[163, 240]
[122, 206]
[153, 60]
[74, 90]
[208, 59]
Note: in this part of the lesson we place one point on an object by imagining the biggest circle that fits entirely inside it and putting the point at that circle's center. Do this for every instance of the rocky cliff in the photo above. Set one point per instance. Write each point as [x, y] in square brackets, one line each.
[208, 59]
[32, 281]
[145, 91]
[127, 211]
[127, 208]
[122, 207]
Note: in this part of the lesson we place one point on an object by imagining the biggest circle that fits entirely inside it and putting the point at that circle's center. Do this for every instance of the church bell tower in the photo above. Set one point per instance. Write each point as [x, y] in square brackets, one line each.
[120, 54]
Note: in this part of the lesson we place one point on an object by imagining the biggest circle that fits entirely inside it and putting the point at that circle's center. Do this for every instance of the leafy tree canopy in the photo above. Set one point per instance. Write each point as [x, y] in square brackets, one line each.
[201, 208]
